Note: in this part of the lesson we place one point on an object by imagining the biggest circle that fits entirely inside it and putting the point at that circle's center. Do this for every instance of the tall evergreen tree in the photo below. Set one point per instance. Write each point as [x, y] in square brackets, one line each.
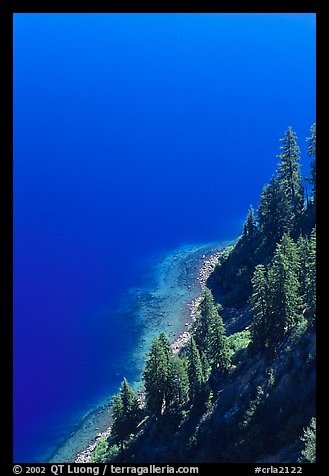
[289, 174]
[202, 326]
[218, 351]
[259, 308]
[209, 333]
[311, 277]
[285, 303]
[274, 212]
[158, 374]
[195, 373]
[307, 252]
[206, 367]
[168, 382]
[125, 412]
[303, 245]
[180, 381]
[311, 142]
[250, 227]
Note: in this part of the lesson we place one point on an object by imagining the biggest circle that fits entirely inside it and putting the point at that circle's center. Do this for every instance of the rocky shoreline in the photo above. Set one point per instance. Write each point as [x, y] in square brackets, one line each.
[206, 267]
[85, 455]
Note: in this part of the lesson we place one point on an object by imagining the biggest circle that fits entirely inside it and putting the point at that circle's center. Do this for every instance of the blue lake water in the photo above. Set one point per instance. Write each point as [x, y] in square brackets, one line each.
[133, 135]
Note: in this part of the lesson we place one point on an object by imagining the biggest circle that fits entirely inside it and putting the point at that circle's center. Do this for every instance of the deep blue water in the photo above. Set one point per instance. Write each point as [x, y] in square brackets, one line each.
[133, 134]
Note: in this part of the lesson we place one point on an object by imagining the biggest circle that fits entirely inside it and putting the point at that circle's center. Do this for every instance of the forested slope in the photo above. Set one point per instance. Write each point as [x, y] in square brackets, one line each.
[243, 388]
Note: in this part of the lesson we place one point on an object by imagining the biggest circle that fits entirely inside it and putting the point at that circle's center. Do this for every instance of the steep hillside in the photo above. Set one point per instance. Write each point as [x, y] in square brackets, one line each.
[242, 389]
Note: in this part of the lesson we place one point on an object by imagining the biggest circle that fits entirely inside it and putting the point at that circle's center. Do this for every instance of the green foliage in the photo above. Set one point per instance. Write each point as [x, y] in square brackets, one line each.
[166, 378]
[202, 326]
[100, 453]
[248, 414]
[180, 380]
[253, 405]
[206, 367]
[250, 227]
[209, 334]
[311, 142]
[238, 341]
[280, 211]
[285, 303]
[289, 175]
[126, 412]
[157, 375]
[259, 306]
[274, 214]
[113, 453]
[307, 276]
[218, 351]
[276, 303]
[195, 371]
[308, 454]
[309, 217]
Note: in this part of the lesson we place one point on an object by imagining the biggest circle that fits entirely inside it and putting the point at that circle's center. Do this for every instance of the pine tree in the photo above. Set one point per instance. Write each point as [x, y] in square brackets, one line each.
[311, 277]
[285, 303]
[195, 373]
[259, 308]
[307, 276]
[168, 385]
[303, 245]
[180, 381]
[289, 174]
[158, 375]
[117, 429]
[274, 212]
[218, 351]
[208, 311]
[125, 412]
[311, 141]
[250, 227]
[209, 333]
[206, 367]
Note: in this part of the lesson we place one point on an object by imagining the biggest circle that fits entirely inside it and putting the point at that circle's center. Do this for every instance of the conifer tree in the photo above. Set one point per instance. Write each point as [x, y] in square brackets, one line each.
[289, 174]
[249, 228]
[180, 381]
[158, 375]
[168, 386]
[285, 303]
[311, 142]
[209, 333]
[274, 212]
[155, 374]
[217, 350]
[303, 245]
[195, 373]
[117, 414]
[208, 312]
[125, 412]
[309, 214]
[206, 367]
[259, 308]
[307, 253]
[311, 277]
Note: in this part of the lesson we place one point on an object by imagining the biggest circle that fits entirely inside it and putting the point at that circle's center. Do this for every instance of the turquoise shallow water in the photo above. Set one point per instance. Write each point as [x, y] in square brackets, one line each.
[160, 304]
